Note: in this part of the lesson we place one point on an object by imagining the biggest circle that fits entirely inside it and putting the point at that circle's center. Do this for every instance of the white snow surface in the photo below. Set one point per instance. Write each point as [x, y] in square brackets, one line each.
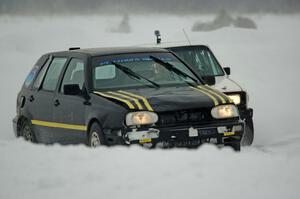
[264, 61]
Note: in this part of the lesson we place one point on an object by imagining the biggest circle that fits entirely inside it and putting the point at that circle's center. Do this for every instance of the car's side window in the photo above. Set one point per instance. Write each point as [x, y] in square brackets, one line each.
[74, 74]
[38, 81]
[53, 73]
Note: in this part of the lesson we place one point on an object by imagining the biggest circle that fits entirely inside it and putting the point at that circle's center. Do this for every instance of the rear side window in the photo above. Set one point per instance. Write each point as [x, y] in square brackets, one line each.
[53, 73]
[30, 77]
[40, 76]
[34, 72]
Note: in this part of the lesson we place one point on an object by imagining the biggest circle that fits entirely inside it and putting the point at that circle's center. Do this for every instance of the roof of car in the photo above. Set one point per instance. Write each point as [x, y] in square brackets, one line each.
[187, 46]
[115, 50]
[174, 44]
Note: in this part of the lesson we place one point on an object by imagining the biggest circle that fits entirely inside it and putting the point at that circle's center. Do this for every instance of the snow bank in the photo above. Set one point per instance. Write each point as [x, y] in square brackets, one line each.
[264, 61]
[29, 171]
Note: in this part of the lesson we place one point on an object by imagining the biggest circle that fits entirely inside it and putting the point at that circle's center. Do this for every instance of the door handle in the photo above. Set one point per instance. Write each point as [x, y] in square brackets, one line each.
[31, 98]
[56, 103]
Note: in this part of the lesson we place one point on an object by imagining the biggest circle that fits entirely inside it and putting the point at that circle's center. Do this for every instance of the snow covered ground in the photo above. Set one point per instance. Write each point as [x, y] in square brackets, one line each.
[265, 61]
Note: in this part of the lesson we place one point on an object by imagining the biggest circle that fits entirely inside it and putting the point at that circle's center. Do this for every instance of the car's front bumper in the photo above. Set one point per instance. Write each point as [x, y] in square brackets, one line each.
[246, 113]
[225, 133]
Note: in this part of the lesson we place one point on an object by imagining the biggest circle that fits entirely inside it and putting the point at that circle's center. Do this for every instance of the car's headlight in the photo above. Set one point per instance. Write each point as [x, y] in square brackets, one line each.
[141, 118]
[236, 98]
[225, 111]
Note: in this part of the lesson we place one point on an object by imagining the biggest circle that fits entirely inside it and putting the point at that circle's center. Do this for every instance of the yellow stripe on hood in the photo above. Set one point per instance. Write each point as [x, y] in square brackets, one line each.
[128, 97]
[220, 93]
[214, 93]
[147, 105]
[215, 101]
[128, 103]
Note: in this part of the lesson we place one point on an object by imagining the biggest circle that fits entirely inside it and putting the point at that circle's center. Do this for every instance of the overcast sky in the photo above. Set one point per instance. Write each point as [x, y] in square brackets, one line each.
[28, 7]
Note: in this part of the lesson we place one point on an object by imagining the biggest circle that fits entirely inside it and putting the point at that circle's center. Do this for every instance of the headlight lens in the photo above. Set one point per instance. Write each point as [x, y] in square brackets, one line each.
[235, 98]
[141, 118]
[224, 111]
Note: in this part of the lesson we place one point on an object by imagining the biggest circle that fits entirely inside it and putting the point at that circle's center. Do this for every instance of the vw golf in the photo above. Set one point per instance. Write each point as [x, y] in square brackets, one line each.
[123, 96]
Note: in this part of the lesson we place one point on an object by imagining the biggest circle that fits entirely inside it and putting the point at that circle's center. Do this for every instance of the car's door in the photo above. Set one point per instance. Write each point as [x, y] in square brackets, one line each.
[41, 101]
[69, 110]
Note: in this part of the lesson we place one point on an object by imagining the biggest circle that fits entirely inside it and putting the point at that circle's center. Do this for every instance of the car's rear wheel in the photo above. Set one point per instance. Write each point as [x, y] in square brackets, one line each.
[248, 136]
[96, 136]
[26, 131]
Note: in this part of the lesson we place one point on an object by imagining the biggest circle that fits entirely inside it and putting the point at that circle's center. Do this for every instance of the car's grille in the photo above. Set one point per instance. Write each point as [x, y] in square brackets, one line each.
[185, 117]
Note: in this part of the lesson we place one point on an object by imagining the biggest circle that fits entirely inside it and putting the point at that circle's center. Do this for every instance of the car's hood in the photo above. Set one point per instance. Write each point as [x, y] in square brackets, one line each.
[166, 99]
[225, 84]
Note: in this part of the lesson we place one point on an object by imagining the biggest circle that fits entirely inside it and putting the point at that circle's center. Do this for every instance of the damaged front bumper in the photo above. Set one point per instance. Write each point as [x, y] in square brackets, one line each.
[226, 133]
[246, 114]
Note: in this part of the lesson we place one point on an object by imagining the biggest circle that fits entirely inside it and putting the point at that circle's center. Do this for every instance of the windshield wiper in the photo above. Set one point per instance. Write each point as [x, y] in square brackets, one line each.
[172, 68]
[133, 74]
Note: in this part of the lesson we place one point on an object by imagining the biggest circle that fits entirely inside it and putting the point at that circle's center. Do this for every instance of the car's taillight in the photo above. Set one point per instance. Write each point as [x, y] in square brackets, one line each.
[20, 103]
[17, 105]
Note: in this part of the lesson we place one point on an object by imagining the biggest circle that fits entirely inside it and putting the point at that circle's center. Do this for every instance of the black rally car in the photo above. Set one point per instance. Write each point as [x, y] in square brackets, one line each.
[122, 96]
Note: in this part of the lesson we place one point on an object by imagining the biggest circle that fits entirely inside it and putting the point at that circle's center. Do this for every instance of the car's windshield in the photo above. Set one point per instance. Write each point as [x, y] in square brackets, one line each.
[200, 58]
[139, 70]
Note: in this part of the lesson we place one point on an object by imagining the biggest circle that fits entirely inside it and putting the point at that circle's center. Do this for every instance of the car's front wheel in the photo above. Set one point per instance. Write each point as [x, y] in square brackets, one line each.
[96, 136]
[26, 131]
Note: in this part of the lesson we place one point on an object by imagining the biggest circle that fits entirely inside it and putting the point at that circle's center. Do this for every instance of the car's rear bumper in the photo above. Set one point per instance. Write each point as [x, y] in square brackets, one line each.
[225, 133]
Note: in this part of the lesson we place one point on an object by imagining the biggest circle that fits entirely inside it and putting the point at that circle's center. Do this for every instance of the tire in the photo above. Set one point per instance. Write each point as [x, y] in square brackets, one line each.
[27, 133]
[96, 136]
[248, 136]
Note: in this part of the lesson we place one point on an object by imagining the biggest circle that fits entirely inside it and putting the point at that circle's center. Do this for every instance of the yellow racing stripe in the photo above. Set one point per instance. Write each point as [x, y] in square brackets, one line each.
[148, 106]
[59, 125]
[128, 97]
[221, 94]
[128, 103]
[207, 94]
[214, 93]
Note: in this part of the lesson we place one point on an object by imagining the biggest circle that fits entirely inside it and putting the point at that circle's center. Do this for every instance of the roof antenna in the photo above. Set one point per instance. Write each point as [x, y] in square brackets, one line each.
[186, 36]
[158, 36]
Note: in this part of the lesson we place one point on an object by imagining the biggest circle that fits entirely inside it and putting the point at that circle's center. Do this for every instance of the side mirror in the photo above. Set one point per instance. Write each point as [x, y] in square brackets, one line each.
[72, 89]
[227, 70]
[210, 80]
